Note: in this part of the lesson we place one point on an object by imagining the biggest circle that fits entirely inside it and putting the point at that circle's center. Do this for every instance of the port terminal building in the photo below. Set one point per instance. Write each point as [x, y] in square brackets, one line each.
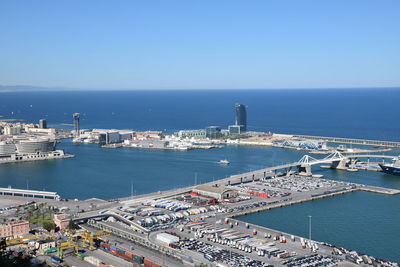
[8, 191]
[218, 192]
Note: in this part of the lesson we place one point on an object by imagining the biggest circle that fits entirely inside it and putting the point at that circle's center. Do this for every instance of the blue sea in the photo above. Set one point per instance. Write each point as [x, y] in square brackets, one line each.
[365, 222]
[362, 113]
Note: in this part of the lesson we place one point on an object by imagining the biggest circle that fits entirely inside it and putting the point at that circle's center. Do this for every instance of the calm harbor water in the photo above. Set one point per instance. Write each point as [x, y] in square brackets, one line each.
[108, 173]
[362, 221]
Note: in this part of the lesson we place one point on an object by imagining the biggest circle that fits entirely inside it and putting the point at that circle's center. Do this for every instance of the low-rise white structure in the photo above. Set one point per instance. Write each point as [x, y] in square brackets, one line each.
[167, 238]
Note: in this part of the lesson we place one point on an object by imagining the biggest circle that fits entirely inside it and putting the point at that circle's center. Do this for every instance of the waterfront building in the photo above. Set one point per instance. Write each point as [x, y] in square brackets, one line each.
[43, 124]
[150, 143]
[12, 130]
[213, 132]
[125, 135]
[41, 131]
[149, 134]
[109, 137]
[192, 133]
[14, 228]
[224, 132]
[217, 192]
[61, 221]
[241, 116]
[235, 129]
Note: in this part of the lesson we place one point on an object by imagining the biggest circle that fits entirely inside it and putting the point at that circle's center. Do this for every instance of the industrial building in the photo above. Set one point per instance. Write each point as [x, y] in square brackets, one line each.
[217, 192]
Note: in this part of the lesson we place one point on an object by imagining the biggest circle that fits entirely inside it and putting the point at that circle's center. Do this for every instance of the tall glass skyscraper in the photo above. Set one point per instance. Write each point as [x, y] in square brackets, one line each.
[241, 116]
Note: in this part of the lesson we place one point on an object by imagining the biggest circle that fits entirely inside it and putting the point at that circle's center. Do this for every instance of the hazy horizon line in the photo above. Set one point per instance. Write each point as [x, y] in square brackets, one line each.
[32, 88]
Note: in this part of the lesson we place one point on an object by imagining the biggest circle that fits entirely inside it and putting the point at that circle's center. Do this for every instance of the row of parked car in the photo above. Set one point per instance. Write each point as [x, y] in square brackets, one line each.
[314, 260]
[222, 256]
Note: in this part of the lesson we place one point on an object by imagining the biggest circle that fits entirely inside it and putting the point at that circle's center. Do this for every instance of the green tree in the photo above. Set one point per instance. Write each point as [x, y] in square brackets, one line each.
[72, 225]
[49, 226]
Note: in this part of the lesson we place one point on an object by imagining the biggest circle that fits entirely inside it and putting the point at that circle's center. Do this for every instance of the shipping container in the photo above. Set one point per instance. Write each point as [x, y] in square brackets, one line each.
[50, 250]
[129, 254]
[149, 263]
[138, 259]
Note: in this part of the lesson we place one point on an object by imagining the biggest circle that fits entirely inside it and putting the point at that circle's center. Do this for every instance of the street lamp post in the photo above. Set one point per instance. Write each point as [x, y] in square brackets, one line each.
[309, 227]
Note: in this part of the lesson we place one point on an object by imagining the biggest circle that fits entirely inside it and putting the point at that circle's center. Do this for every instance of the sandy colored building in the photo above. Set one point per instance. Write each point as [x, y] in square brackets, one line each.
[61, 221]
[14, 228]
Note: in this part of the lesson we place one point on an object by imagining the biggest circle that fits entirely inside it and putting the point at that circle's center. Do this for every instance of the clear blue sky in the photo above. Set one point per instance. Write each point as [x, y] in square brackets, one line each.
[200, 44]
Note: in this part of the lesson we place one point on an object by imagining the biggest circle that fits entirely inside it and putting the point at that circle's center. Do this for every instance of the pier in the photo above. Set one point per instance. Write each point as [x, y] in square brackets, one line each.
[15, 158]
[351, 141]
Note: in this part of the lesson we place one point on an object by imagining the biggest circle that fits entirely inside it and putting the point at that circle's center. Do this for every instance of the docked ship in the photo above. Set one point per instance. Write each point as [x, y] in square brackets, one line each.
[391, 168]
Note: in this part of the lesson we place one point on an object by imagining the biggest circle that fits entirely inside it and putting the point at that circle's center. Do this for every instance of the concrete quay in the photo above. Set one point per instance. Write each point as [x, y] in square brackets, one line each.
[289, 203]
[366, 188]
[28, 158]
[379, 190]
[353, 141]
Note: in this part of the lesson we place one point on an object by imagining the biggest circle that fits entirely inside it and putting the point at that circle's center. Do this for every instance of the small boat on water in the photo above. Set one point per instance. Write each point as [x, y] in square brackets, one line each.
[224, 162]
[352, 170]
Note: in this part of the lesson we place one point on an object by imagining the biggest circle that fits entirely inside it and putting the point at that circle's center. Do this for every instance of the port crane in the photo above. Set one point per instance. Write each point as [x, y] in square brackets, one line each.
[88, 238]
[66, 245]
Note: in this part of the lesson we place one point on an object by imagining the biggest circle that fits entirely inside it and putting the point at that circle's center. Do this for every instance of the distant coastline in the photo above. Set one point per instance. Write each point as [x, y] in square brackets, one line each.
[29, 88]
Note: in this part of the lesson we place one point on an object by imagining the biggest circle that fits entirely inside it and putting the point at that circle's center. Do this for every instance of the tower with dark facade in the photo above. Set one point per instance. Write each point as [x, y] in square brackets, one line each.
[241, 116]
